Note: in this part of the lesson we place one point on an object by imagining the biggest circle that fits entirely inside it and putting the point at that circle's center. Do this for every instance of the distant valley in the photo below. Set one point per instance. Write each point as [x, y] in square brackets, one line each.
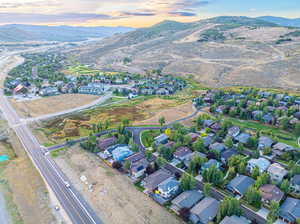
[21, 33]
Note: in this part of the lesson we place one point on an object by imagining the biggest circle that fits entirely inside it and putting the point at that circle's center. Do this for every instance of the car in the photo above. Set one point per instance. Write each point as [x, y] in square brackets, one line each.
[67, 184]
[56, 208]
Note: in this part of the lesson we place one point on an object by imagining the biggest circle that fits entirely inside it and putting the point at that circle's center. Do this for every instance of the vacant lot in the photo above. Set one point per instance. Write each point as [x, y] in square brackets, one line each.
[114, 197]
[139, 111]
[51, 104]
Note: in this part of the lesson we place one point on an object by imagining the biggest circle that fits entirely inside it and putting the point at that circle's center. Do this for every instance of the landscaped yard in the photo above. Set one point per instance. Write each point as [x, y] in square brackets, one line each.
[283, 136]
[148, 137]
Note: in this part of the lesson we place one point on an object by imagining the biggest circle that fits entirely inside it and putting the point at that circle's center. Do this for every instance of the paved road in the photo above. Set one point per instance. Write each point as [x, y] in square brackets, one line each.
[72, 202]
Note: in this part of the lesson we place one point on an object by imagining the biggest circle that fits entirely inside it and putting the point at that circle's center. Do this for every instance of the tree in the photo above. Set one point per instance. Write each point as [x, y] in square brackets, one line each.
[107, 124]
[253, 197]
[187, 182]
[148, 155]
[228, 142]
[125, 122]
[242, 167]
[134, 147]
[165, 152]
[285, 185]
[127, 165]
[162, 121]
[199, 145]
[229, 207]
[207, 189]
[255, 172]
[99, 126]
[274, 212]
[160, 161]
[117, 165]
[213, 175]
[262, 180]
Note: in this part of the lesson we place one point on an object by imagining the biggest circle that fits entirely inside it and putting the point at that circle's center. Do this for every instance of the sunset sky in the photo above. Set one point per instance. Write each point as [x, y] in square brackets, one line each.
[136, 13]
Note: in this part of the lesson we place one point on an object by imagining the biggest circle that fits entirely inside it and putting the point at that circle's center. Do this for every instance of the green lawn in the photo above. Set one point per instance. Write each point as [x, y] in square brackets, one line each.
[55, 153]
[283, 136]
[148, 137]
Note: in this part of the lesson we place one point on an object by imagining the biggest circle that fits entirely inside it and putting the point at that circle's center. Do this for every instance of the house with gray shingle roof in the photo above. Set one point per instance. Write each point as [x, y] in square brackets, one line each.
[295, 184]
[169, 188]
[205, 211]
[289, 211]
[243, 138]
[152, 181]
[186, 199]
[264, 142]
[235, 220]
[219, 147]
[240, 184]
[262, 164]
[277, 172]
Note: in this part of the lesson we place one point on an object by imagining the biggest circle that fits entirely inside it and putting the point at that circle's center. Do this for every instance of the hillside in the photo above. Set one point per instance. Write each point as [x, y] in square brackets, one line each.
[221, 51]
[18, 33]
[281, 21]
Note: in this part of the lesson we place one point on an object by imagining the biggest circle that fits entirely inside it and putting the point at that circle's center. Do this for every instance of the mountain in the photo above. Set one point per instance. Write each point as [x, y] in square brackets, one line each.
[221, 51]
[281, 21]
[18, 32]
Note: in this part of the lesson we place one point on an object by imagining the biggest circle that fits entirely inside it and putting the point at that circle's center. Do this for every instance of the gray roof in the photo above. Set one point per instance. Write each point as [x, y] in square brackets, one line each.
[296, 180]
[242, 138]
[207, 140]
[290, 209]
[161, 138]
[206, 210]
[210, 163]
[264, 142]
[219, 147]
[152, 181]
[240, 184]
[188, 199]
[227, 154]
[168, 184]
[235, 220]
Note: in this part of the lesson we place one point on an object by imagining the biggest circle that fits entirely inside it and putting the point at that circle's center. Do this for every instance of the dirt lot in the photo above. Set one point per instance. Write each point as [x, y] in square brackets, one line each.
[139, 111]
[25, 192]
[170, 115]
[114, 197]
[51, 104]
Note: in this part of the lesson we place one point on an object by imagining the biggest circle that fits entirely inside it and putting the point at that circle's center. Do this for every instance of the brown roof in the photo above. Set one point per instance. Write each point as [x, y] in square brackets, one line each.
[270, 192]
[105, 143]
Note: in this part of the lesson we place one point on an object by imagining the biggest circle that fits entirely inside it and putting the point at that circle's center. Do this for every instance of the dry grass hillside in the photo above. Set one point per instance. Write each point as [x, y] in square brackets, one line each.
[221, 51]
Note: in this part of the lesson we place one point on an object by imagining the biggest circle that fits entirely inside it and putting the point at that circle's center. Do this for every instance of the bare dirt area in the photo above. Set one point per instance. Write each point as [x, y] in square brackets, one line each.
[170, 115]
[25, 192]
[51, 104]
[13, 61]
[114, 197]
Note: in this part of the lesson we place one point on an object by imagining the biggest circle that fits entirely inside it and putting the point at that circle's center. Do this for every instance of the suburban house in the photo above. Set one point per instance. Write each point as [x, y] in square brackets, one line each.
[121, 153]
[210, 163]
[240, 184]
[235, 220]
[169, 188]
[277, 172]
[49, 91]
[262, 164]
[161, 139]
[227, 154]
[207, 140]
[138, 168]
[280, 148]
[218, 147]
[289, 211]
[242, 138]
[182, 153]
[136, 157]
[151, 182]
[270, 192]
[264, 142]
[187, 200]
[169, 145]
[205, 211]
[107, 142]
[92, 88]
[295, 184]
[191, 156]
[233, 131]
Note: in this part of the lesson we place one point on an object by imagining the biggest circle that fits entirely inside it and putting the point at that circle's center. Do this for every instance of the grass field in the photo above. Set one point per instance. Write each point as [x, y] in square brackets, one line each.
[284, 136]
[84, 70]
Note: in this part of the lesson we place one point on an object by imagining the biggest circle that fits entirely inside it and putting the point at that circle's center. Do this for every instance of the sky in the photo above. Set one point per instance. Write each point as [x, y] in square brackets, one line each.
[136, 13]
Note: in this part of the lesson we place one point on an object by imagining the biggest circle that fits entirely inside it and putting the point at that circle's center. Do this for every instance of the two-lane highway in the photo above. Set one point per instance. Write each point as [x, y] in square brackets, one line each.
[72, 202]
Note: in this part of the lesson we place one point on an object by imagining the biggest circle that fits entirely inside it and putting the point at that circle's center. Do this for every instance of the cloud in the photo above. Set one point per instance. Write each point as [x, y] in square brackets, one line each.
[138, 14]
[53, 18]
[182, 13]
